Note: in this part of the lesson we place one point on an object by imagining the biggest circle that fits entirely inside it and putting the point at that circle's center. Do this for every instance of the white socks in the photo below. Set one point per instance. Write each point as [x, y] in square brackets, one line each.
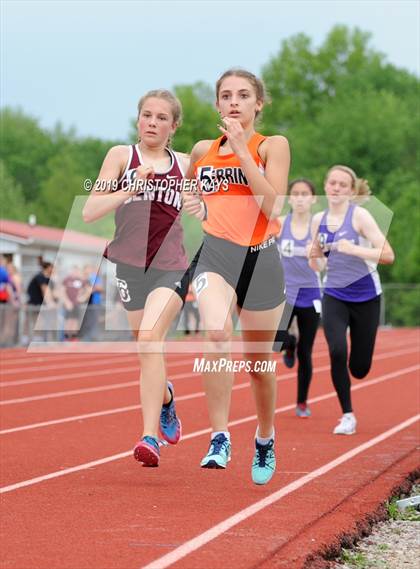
[260, 440]
[226, 433]
[263, 440]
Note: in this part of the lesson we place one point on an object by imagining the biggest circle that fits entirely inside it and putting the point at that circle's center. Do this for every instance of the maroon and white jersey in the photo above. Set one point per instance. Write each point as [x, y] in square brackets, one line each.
[148, 231]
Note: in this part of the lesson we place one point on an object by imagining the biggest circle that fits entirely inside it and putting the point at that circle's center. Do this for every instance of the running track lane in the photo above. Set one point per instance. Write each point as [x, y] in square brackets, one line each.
[124, 528]
[125, 425]
[38, 408]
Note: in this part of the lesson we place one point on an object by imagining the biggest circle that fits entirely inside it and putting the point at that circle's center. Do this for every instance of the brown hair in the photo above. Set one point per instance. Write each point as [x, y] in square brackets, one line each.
[258, 85]
[310, 185]
[175, 103]
[359, 185]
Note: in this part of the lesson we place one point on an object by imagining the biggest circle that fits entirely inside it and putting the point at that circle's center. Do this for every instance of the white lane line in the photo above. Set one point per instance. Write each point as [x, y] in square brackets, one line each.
[125, 385]
[69, 393]
[93, 373]
[67, 365]
[221, 528]
[73, 365]
[85, 374]
[194, 434]
[27, 357]
[283, 377]
[88, 389]
[70, 419]
[132, 407]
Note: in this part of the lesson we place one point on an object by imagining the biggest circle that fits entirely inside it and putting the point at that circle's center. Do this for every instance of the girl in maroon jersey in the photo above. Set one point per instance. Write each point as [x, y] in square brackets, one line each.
[143, 184]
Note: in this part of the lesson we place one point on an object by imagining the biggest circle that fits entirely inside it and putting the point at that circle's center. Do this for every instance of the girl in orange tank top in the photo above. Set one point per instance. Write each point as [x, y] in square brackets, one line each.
[233, 211]
[242, 180]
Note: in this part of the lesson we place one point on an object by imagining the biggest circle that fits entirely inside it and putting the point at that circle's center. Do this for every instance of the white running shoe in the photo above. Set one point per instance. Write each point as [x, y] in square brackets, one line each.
[346, 425]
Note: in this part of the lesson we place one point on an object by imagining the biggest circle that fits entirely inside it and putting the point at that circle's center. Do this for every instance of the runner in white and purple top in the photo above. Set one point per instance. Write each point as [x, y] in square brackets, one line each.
[303, 293]
[348, 278]
[351, 241]
[302, 283]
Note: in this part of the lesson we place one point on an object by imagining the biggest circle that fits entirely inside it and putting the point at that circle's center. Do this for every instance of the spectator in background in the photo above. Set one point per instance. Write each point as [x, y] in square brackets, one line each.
[7, 300]
[15, 301]
[5, 284]
[74, 292]
[40, 290]
[93, 296]
[41, 287]
[15, 281]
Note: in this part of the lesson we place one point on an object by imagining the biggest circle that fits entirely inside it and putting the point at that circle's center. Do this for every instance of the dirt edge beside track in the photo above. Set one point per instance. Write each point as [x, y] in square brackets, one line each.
[318, 546]
[364, 527]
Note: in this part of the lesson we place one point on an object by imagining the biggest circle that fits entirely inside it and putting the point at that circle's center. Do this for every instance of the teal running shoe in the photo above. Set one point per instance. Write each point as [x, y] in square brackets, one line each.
[264, 464]
[219, 453]
[170, 425]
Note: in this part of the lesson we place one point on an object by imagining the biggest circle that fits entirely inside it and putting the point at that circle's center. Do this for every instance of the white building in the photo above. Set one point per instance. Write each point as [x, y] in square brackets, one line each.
[27, 244]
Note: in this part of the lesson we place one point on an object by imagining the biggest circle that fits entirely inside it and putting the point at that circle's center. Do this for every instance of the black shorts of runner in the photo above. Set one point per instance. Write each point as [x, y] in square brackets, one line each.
[136, 283]
[254, 272]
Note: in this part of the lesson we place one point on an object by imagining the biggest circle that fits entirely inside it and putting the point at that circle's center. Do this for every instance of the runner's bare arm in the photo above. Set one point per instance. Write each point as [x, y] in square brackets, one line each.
[317, 261]
[193, 203]
[103, 197]
[381, 251]
[277, 165]
[272, 185]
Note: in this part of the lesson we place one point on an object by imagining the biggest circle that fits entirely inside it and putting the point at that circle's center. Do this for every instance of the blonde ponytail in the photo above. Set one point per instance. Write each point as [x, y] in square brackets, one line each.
[362, 189]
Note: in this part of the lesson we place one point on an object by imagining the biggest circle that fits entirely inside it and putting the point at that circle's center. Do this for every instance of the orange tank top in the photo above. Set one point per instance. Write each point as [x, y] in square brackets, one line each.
[233, 211]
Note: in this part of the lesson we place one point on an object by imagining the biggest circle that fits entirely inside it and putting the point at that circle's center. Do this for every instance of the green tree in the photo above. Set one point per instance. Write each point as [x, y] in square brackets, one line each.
[368, 131]
[25, 149]
[12, 200]
[401, 189]
[88, 154]
[58, 191]
[302, 80]
[200, 116]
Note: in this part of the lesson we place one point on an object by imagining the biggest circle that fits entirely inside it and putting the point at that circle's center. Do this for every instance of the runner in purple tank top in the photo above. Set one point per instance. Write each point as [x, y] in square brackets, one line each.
[303, 293]
[351, 241]
[142, 183]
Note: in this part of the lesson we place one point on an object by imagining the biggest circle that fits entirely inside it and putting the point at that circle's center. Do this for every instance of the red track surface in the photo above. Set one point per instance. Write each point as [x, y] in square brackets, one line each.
[107, 512]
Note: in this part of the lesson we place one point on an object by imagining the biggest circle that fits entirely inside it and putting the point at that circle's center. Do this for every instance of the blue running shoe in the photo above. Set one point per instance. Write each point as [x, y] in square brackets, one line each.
[302, 410]
[219, 453]
[147, 451]
[170, 425]
[264, 464]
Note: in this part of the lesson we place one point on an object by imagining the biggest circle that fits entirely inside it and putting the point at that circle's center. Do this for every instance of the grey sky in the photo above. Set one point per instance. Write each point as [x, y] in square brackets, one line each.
[86, 63]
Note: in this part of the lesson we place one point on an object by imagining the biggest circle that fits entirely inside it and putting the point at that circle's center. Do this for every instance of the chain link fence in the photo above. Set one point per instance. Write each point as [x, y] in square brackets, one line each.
[20, 325]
